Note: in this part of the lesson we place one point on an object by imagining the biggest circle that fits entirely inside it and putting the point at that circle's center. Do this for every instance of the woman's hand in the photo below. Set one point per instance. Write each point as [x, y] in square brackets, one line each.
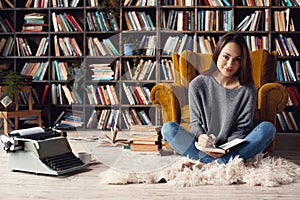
[205, 140]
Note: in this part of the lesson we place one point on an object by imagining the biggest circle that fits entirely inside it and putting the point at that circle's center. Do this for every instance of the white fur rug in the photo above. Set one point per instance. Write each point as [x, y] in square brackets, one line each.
[260, 171]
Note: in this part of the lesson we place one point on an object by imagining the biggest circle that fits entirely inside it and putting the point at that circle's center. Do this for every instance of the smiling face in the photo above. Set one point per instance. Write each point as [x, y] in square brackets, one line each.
[229, 60]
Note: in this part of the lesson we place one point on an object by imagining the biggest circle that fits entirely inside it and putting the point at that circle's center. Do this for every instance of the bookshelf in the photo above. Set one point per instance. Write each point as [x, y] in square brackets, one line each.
[162, 27]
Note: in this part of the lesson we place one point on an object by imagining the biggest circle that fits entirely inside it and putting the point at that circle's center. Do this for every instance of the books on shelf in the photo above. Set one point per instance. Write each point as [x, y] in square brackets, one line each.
[101, 48]
[104, 119]
[137, 95]
[285, 46]
[210, 20]
[136, 117]
[65, 22]
[71, 119]
[67, 45]
[138, 21]
[175, 44]
[5, 25]
[285, 71]
[108, 118]
[36, 70]
[102, 21]
[180, 20]
[8, 47]
[288, 121]
[61, 94]
[102, 95]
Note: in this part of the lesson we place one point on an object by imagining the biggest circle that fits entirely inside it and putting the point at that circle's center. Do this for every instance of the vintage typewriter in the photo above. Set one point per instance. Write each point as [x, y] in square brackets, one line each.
[41, 151]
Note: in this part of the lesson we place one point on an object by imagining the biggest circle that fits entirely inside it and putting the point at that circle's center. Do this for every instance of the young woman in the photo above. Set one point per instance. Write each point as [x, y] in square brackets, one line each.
[222, 108]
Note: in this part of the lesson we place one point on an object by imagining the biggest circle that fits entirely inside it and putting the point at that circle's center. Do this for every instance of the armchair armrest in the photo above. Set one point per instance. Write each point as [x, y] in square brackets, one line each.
[170, 97]
[272, 99]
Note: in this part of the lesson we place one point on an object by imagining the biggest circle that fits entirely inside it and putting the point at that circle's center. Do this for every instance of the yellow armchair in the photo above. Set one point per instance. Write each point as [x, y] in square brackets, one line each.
[173, 97]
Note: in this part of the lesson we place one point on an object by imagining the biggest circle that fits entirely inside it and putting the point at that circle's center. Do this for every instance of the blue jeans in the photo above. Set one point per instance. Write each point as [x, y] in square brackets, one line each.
[183, 142]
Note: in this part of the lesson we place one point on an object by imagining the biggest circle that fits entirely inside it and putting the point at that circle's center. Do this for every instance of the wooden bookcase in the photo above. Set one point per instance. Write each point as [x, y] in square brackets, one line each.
[193, 28]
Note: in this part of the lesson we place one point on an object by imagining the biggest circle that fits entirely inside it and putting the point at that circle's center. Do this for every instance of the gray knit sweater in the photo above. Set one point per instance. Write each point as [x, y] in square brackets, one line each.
[226, 113]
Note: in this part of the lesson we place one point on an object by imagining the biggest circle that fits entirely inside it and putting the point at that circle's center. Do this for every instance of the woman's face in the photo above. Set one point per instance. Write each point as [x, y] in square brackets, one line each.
[229, 60]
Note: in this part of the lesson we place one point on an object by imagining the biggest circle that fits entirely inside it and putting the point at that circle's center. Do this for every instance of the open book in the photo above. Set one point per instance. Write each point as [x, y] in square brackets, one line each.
[111, 139]
[222, 148]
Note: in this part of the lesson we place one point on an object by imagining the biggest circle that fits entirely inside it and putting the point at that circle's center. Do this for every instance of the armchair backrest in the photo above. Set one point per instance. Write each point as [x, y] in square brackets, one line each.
[189, 64]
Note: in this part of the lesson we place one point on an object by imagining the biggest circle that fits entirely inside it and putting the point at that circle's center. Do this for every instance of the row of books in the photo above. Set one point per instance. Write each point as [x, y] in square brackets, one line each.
[288, 121]
[255, 2]
[167, 69]
[217, 3]
[147, 45]
[65, 22]
[34, 22]
[36, 70]
[102, 21]
[24, 49]
[214, 20]
[61, 70]
[176, 44]
[102, 47]
[137, 95]
[105, 119]
[61, 94]
[256, 21]
[132, 117]
[286, 3]
[69, 119]
[67, 45]
[180, 2]
[294, 96]
[139, 3]
[53, 3]
[257, 42]
[287, 72]
[206, 44]
[6, 46]
[283, 20]
[102, 95]
[6, 4]
[180, 20]
[138, 21]
[285, 46]
[5, 25]
[37, 3]
[143, 70]
[101, 72]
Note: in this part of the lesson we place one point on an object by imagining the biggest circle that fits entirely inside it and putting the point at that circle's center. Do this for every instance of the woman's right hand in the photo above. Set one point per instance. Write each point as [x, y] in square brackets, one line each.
[205, 140]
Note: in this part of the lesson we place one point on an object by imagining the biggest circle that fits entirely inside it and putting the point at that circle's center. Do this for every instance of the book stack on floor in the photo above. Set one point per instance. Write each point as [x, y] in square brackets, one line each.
[145, 139]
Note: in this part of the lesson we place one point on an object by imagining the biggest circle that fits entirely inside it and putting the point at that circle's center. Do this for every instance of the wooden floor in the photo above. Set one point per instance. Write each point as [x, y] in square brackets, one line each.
[86, 185]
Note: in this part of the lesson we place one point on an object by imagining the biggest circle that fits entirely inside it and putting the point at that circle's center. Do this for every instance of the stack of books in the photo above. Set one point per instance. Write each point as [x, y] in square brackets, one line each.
[145, 139]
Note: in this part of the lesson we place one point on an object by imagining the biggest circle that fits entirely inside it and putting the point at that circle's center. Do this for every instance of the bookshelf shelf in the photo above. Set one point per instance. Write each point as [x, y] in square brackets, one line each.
[120, 34]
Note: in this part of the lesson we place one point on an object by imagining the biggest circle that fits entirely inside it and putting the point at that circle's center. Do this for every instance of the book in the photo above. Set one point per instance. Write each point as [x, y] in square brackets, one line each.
[145, 147]
[222, 148]
[112, 140]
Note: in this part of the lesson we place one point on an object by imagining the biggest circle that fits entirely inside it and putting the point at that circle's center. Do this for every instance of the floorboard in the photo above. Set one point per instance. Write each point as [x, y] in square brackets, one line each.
[85, 184]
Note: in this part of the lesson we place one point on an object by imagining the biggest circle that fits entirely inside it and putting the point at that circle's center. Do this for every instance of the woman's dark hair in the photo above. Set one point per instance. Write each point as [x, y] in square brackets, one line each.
[245, 72]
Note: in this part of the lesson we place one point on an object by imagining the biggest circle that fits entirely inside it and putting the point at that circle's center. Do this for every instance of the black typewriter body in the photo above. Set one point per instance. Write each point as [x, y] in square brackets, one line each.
[45, 152]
